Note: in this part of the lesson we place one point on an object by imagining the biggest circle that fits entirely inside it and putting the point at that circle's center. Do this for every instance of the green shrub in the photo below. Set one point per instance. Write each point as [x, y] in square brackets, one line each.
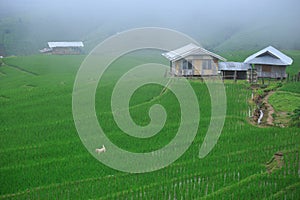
[263, 86]
[296, 118]
[260, 92]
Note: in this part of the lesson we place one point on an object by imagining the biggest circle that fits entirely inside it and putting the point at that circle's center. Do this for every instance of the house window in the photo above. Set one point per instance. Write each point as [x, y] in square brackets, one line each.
[206, 64]
[190, 65]
[184, 64]
[187, 64]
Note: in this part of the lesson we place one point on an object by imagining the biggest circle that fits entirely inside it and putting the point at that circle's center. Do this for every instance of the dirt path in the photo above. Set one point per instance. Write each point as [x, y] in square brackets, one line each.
[270, 109]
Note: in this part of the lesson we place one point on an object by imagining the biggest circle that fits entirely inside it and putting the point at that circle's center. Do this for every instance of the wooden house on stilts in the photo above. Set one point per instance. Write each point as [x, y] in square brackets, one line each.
[192, 60]
[269, 63]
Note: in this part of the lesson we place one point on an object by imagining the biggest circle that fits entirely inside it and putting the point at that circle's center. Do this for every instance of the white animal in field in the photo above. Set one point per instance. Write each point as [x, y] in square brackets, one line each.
[101, 150]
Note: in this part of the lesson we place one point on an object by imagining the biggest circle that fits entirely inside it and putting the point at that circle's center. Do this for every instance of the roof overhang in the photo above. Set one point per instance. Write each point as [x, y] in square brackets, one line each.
[190, 49]
[269, 56]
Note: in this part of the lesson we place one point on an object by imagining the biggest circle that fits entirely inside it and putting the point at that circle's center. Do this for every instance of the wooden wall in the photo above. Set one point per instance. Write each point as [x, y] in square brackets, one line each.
[197, 62]
[271, 71]
[66, 50]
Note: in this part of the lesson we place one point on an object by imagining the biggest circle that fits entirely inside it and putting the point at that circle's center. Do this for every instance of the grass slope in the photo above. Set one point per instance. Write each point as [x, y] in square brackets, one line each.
[42, 156]
[285, 101]
[262, 34]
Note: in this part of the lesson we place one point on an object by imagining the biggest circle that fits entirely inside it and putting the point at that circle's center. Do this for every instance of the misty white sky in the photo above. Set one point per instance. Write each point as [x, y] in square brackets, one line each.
[211, 22]
[161, 12]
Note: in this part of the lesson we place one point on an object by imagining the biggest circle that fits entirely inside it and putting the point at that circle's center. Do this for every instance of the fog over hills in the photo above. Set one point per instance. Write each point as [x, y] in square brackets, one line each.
[224, 25]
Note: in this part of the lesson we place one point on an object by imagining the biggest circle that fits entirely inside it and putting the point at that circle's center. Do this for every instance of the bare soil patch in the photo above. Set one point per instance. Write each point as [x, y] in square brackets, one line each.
[269, 109]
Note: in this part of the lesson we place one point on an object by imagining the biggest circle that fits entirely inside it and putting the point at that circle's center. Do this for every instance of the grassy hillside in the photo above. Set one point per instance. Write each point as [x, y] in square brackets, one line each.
[285, 101]
[291, 87]
[42, 156]
[262, 34]
[295, 67]
[24, 33]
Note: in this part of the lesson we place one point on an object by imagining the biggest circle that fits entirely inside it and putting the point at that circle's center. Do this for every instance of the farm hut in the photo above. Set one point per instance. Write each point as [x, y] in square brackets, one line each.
[234, 70]
[192, 60]
[269, 63]
[64, 48]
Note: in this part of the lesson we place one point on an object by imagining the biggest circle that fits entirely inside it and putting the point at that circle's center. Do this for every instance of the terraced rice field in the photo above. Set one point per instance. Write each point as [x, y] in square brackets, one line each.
[42, 156]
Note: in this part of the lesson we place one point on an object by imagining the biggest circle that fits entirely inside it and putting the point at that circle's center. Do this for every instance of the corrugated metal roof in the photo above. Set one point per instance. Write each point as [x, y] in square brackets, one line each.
[233, 66]
[269, 56]
[187, 50]
[268, 59]
[181, 52]
[65, 44]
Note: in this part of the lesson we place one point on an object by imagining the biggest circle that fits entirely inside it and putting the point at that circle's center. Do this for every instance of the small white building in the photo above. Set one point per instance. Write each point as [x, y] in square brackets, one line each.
[63, 48]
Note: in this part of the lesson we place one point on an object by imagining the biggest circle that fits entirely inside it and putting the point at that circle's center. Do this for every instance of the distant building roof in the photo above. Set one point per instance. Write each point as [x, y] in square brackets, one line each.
[234, 66]
[65, 44]
[269, 56]
[190, 49]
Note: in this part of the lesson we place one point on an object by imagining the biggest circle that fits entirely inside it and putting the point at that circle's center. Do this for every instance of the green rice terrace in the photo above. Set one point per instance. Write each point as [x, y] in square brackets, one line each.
[42, 156]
